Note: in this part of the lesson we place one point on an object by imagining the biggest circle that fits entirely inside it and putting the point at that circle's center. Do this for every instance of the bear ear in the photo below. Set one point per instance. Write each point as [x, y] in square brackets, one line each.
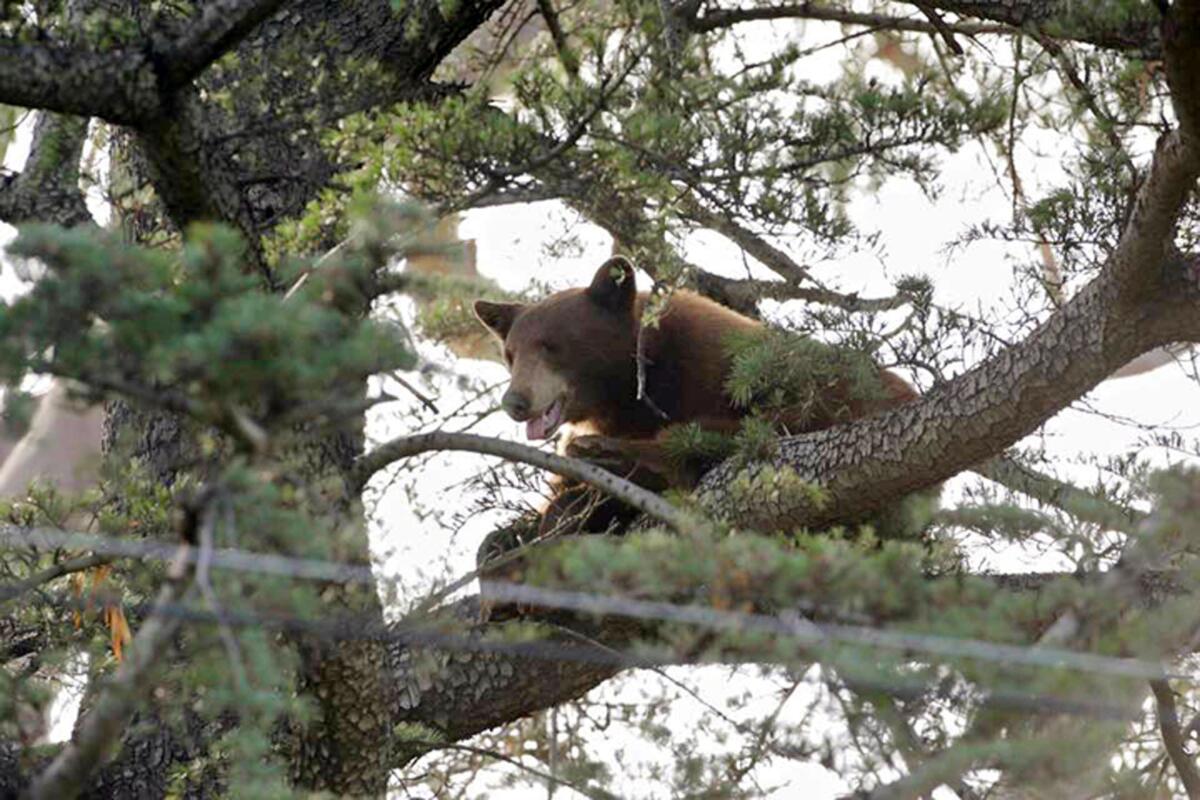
[497, 316]
[614, 286]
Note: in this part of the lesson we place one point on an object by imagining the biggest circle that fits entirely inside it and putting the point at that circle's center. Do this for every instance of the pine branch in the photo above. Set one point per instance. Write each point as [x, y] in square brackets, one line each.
[11, 591]
[102, 728]
[718, 18]
[1081, 504]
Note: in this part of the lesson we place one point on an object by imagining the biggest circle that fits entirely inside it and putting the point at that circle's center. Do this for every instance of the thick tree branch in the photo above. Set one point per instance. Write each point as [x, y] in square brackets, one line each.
[218, 28]
[128, 85]
[1135, 32]
[200, 173]
[717, 18]
[120, 86]
[508, 687]
[47, 189]
[1181, 38]
[1145, 296]
[1132, 28]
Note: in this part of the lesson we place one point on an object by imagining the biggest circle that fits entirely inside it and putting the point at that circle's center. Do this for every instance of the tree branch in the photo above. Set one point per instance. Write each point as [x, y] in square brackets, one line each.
[47, 189]
[406, 446]
[1168, 725]
[216, 30]
[503, 687]
[1143, 298]
[1136, 32]
[120, 85]
[11, 591]
[771, 256]
[717, 18]
[1010, 473]
[127, 85]
[1134, 29]
[740, 293]
[1181, 39]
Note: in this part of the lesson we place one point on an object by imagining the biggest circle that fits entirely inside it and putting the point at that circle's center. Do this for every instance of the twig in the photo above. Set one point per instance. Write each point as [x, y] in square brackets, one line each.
[228, 640]
[1010, 473]
[415, 392]
[1168, 725]
[941, 28]
[595, 793]
[10, 591]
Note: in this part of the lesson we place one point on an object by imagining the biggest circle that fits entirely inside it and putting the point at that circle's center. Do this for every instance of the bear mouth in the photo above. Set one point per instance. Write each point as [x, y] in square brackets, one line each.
[545, 424]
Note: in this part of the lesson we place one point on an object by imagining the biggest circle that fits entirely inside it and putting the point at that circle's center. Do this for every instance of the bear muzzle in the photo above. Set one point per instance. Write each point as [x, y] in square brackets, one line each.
[516, 405]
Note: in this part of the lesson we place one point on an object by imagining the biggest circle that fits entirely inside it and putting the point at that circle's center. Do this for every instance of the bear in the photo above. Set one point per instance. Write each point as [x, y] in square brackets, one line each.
[573, 359]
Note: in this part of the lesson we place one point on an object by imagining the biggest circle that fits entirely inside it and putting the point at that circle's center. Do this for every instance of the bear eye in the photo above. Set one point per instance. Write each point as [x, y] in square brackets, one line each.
[548, 348]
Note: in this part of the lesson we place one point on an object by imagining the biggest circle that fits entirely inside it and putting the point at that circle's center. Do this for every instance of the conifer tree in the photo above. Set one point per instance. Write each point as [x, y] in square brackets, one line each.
[267, 169]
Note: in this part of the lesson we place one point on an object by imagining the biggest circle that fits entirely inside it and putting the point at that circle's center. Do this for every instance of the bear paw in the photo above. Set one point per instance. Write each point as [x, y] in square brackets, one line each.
[603, 451]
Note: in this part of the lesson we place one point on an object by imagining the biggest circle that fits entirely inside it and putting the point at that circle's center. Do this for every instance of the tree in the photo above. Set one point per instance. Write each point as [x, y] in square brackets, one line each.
[227, 325]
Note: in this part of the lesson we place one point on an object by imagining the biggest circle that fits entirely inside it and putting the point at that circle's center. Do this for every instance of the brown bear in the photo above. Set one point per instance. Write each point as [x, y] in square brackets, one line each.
[574, 362]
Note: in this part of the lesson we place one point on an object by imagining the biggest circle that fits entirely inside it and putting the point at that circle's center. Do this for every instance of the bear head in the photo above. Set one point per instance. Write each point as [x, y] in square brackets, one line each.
[572, 356]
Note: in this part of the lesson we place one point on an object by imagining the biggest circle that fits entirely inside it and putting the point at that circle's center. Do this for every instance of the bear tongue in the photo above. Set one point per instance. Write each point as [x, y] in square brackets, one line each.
[547, 423]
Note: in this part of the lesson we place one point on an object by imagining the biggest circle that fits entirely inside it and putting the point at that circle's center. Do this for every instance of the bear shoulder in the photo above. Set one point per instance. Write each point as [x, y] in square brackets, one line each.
[688, 358]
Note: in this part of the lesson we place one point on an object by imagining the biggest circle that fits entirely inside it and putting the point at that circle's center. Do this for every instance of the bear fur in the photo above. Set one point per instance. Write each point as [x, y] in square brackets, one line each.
[573, 360]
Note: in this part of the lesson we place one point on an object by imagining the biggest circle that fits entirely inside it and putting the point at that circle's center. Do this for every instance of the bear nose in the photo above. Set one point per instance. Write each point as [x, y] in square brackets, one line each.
[517, 405]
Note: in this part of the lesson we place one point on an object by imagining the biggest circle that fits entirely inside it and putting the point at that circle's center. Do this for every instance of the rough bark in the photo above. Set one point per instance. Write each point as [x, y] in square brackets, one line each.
[1131, 28]
[47, 190]
[1145, 297]
[1126, 27]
